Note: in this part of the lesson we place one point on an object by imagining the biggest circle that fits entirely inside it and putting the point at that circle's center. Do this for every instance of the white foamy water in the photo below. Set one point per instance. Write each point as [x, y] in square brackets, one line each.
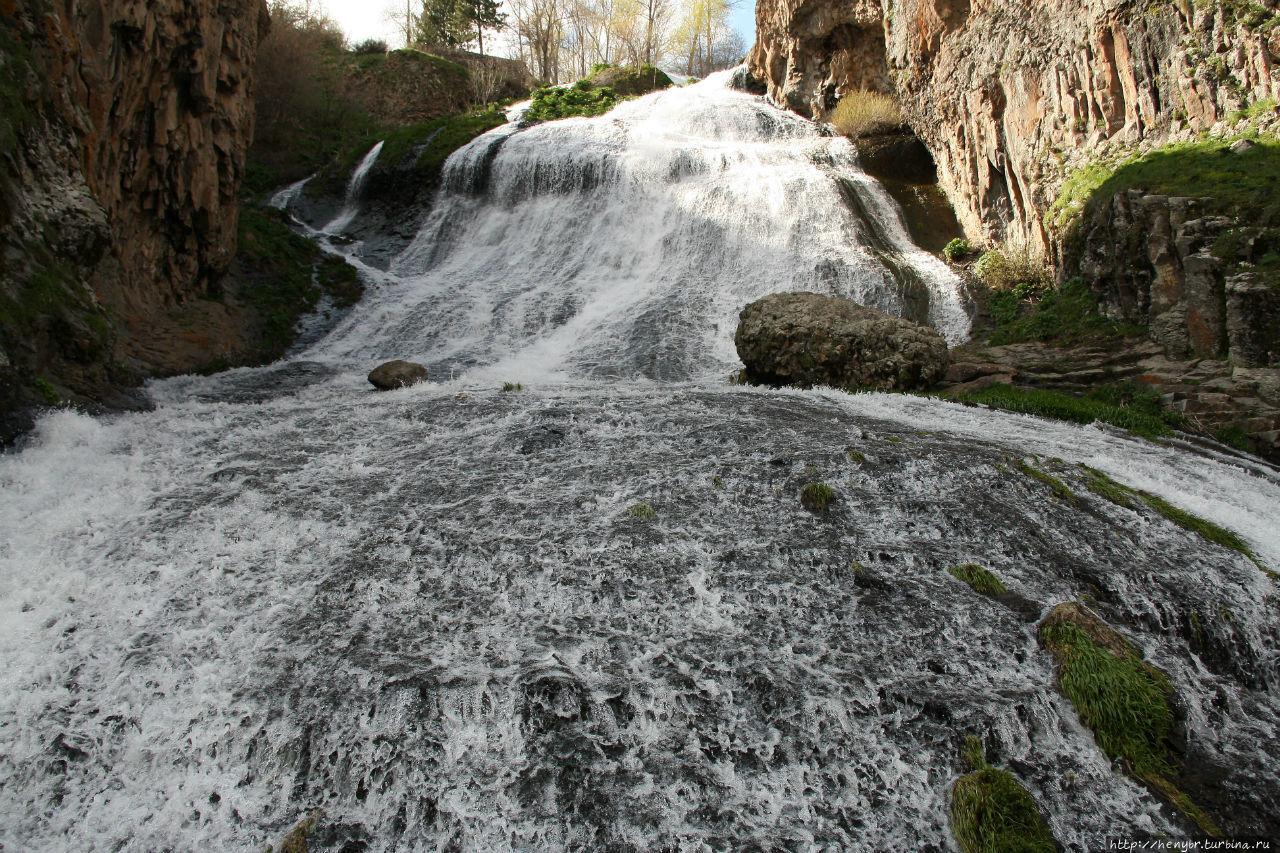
[354, 185]
[431, 613]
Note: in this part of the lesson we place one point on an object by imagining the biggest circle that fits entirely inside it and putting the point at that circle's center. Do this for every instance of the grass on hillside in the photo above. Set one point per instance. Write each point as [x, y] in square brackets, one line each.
[1119, 405]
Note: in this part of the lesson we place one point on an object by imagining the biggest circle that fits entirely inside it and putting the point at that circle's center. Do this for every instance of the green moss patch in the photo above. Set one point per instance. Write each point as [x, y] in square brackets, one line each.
[641, 510]
[992, 813]
[1122, 495]
[981, 580]
[1123, 700]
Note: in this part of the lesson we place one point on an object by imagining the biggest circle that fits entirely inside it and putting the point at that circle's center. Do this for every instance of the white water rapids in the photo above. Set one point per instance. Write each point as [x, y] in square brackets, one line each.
[430, 613]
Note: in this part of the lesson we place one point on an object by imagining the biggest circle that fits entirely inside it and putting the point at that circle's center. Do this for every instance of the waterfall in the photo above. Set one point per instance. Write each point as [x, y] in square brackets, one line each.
[352, 204]
[624, 246]
[432, 613]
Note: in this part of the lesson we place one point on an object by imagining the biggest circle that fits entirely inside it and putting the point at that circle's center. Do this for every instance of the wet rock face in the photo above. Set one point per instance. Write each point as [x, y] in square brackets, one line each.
[807, 339]
[993, 87]
[118, 200]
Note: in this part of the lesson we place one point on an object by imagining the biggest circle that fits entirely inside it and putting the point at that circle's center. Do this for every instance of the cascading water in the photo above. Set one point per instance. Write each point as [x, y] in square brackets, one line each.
[352, 205]
[430, 613]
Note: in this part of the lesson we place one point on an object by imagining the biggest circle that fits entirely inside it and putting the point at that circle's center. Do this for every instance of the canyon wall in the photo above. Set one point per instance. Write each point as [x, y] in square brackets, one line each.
[1011, 95]
[125, 129]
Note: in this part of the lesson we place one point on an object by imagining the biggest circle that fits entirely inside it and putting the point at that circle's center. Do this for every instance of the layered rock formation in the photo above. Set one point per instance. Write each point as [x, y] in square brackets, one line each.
[126, 124]
[1009, 95]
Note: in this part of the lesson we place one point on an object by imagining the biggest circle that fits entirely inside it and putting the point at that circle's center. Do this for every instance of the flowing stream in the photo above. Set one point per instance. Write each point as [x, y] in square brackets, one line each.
[431, 612]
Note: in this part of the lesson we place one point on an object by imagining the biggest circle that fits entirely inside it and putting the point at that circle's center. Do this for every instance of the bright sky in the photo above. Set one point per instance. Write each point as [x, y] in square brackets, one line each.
[364, 19]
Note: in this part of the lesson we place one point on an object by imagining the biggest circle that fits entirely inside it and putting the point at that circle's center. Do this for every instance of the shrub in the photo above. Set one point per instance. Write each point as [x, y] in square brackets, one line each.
[957, 249]
[816, 496]
[370, 46]
[863, 113]
[577, 100]
[1068, 314]
[1016, 269]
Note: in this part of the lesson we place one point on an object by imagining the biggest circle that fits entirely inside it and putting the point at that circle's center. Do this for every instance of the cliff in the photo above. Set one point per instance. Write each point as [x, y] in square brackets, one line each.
[126, 125]
[1011, 95]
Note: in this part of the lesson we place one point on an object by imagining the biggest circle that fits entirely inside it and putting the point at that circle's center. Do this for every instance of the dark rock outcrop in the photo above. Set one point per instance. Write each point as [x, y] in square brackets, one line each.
[397, 374]
[126, 126]
[809, 339]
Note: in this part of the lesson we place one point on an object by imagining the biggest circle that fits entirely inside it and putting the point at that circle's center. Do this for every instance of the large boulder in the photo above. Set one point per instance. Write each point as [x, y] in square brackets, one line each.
[397, 374]
[809, 339]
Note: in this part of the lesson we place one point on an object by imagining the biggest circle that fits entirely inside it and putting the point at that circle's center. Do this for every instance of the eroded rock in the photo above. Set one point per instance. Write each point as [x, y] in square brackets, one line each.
[397, 374]
[808, 339]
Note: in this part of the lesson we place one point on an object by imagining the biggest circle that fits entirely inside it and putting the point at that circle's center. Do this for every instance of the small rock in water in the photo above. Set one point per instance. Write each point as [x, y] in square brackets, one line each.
[397, 374]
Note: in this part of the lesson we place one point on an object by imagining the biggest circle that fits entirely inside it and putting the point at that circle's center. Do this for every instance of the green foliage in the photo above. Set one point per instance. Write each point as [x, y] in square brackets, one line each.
[816, 496]
[1103, 486]
[957, 249]
[1060, 489]
[992, 813]
[512, 386]
[979, 579]
[577, 100]
[1082, 410]
[288, 275]
[857, 456]
[641, 510]
[45, 390]
[1068, 314]
[863, 113]
[1124, 701]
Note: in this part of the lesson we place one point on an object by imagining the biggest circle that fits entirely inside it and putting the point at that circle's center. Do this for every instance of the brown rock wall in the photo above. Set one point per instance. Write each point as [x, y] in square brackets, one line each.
[126, 128]
[1009, 95]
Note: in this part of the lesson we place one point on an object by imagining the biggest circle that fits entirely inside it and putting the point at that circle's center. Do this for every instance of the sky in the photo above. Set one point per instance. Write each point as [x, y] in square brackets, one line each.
[364, 19]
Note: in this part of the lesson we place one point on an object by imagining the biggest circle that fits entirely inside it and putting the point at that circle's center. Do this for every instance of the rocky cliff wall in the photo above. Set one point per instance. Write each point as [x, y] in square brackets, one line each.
[126, 124]
[1010, 95]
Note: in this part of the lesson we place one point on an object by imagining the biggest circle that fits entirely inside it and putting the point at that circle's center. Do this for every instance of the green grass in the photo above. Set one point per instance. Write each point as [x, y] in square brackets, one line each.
[979, 579]
[1105, 405]
[816, 496]
[1126, 703]
[641, 510]
[1122, 495]
[1060, 489]
[992, 813]
[45, 391]
[1067, 314]
[512, 386]
[856, 456]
